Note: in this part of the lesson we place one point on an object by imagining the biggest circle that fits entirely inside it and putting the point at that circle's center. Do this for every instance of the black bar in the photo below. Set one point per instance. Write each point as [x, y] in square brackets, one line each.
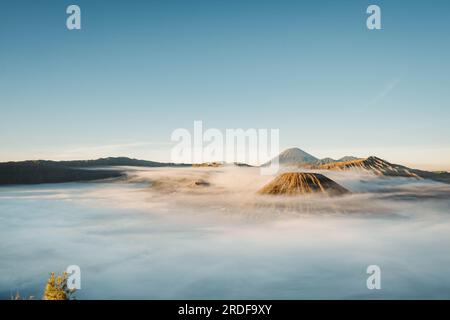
[279, 309]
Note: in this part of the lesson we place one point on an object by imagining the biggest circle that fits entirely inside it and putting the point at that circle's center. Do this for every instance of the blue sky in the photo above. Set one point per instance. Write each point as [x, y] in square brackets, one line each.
[137, 70]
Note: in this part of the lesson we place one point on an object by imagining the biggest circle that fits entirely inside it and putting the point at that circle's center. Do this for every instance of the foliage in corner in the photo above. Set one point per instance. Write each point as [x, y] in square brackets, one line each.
[57, 289]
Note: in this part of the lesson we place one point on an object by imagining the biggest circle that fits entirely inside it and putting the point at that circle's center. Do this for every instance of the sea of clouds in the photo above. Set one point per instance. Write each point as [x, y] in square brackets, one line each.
[158, 235]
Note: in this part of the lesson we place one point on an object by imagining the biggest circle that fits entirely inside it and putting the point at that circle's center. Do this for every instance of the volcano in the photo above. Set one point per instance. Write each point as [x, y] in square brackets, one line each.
[294, 156]
[298, 183]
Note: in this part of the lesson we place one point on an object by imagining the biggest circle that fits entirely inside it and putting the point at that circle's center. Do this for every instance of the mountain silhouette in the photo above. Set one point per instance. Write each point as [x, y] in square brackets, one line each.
[46, 171]
[293, 156]
[298, 157]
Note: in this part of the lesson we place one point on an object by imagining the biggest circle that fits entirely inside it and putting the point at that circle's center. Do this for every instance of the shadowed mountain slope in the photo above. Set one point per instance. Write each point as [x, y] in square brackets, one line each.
[34, 172]
[381, 167]
[45, 171]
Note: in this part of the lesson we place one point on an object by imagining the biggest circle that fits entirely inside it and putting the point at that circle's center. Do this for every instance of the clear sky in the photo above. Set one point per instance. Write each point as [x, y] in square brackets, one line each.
[137, 70]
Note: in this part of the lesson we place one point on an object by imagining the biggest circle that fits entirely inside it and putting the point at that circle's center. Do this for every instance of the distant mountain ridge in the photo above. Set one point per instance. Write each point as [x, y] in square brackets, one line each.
[382, 167]
[47, 171]
[101, 162]
[299, 158]
[296, 156]
[330, 160]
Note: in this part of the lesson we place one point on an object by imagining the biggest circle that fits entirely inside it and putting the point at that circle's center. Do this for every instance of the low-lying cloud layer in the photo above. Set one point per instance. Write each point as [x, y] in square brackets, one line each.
[206, 233]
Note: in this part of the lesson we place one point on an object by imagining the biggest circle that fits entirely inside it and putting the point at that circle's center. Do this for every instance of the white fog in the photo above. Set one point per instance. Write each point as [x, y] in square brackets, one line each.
[187, 233]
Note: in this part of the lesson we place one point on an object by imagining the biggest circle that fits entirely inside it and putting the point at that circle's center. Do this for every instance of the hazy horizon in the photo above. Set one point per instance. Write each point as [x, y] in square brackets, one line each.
[432, 166]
